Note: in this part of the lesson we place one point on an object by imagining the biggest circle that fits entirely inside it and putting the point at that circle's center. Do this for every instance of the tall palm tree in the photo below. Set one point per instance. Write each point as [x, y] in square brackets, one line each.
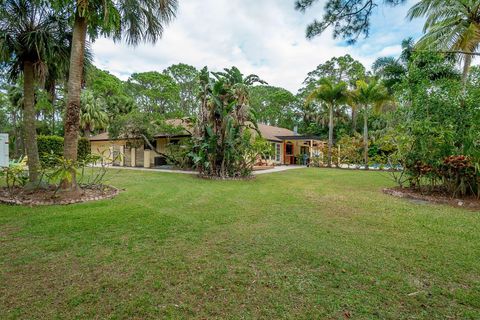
[224, 116]
[452, 25]
[369, 96]
[92, 113]
[30, 35]
[332, 94]
[132, 20]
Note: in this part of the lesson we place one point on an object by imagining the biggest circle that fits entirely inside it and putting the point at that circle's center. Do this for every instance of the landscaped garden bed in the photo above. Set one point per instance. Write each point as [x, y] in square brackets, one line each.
[437, 195]
[50, 196]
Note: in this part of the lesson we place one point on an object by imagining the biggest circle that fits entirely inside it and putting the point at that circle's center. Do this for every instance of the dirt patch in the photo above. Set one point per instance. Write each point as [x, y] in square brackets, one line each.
[436, 196]
[48, 196]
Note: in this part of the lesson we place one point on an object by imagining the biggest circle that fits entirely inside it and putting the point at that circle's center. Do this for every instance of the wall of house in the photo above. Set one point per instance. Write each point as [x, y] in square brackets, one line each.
[106, 149]
[111, 151]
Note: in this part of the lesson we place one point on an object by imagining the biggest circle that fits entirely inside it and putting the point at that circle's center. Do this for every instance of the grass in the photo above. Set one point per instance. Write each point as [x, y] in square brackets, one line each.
[301, 244]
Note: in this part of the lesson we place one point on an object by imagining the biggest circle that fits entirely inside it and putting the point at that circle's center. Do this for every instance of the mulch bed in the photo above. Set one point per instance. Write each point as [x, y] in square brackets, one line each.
[436, 196]
[47, 196]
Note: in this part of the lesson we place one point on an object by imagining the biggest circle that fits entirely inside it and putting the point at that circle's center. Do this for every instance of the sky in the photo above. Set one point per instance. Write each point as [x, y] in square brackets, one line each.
[264, 37]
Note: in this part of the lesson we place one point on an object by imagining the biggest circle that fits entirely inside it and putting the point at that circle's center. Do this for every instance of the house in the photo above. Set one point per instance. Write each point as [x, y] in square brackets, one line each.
[289, 147]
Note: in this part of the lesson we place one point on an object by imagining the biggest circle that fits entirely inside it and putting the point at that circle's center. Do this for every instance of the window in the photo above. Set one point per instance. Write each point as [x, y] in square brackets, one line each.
[278, 152]
[175, 142]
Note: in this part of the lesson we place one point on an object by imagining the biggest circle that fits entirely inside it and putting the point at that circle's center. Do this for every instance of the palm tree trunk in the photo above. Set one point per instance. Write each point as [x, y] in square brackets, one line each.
[354, 120]
[330, 136]
[30, 130]
[87, 131]
[466, 68]
[51, 97]
[72, 113]
[365, 137]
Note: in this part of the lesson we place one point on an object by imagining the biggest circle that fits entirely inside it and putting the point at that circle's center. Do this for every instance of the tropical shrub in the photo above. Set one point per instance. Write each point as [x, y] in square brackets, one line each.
[16, 174]
[223, 140]
[437, 129]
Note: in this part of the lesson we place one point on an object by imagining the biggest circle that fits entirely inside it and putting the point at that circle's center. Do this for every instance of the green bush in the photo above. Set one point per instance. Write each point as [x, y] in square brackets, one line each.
[48, 145]
[84, 149]
[53, 145]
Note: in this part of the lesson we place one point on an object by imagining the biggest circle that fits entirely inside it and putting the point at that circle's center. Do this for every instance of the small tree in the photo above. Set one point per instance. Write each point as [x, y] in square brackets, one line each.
[224, 136]
[92, 113]
[30, 35]
[332, 94]
[369, 96]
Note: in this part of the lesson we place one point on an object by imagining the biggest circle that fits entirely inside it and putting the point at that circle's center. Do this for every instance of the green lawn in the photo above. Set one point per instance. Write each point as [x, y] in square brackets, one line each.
[301, 244]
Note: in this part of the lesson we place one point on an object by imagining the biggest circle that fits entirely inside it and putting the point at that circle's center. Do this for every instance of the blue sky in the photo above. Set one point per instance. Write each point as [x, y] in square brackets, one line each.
[265, 37]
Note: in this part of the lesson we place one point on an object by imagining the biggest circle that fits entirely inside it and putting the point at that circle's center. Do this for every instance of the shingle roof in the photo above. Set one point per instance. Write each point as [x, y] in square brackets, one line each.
[272, 133]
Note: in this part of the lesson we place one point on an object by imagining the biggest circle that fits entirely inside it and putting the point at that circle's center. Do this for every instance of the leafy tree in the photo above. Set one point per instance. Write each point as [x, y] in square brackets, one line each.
[224, 132]
[111, 89]
[345, 69]
[436, 126]
[92, 113]
[187, 79]
[371, 95]
[392, 70]
[155, 92]
[349, 18]
[332, 94]
[450, 25]
[132, 20]
[30, 35]
[274, 106]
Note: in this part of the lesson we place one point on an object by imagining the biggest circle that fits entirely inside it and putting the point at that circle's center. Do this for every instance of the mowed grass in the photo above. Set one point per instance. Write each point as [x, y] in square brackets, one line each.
[301, 244]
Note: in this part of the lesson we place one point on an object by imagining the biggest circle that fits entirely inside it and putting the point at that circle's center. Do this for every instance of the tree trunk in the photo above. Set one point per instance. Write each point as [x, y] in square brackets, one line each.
[51, 97]
[365, 137]
[330, 136]
[87, 131]
[30, 130]
[466, 68]
[354, 120]
[72, 112]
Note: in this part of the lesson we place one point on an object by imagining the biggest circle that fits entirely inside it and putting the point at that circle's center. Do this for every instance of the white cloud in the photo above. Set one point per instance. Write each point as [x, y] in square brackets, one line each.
[264, 37]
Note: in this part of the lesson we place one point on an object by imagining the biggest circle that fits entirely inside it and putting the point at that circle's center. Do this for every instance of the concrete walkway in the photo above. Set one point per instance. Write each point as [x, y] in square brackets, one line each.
[276, 169]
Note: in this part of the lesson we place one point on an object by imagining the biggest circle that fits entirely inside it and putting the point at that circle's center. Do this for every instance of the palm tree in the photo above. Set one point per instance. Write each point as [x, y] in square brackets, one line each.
[452, 25]
[224, 116]
[369, 95]
[133, 20]
[30, 35]
[332, 94]
[92, 114]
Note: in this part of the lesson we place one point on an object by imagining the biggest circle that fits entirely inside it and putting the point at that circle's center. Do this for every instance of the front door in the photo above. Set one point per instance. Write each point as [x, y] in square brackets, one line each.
[289, 158]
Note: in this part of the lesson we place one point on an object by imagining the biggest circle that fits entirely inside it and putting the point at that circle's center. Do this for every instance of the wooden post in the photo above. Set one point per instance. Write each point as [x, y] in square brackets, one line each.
[338, 155]
[146, 158]
[133, 157]
[122, 156]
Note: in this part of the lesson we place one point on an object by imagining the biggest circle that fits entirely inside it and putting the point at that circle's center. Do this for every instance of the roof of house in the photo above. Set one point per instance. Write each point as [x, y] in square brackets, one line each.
[268, 132]
[273, 133]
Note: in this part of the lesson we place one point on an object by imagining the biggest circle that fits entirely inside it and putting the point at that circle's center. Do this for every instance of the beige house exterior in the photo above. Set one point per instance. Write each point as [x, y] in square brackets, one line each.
[289, 147]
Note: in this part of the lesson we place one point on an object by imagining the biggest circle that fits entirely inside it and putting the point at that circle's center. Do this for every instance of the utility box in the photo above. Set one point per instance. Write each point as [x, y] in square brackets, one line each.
[4, 158]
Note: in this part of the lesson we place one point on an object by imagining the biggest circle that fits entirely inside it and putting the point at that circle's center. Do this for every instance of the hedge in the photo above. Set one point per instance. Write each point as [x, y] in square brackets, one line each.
[54, 144]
